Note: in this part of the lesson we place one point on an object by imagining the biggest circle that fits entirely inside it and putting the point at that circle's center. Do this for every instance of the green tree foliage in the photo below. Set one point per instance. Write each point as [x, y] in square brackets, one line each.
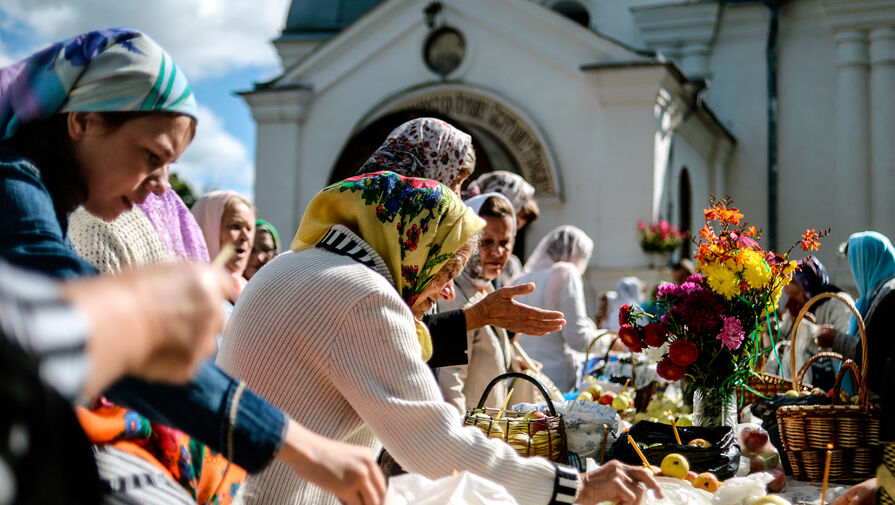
[183, 189]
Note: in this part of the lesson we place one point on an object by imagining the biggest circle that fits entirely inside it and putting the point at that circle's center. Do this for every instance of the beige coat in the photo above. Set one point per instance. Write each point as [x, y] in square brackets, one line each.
[489, 354]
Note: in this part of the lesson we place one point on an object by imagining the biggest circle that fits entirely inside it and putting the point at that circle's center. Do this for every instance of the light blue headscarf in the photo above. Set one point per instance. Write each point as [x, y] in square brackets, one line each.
[871, 257]
[114, 70]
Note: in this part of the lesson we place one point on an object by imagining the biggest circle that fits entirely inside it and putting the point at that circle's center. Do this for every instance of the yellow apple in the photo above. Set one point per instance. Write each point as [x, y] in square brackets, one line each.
[675, 465]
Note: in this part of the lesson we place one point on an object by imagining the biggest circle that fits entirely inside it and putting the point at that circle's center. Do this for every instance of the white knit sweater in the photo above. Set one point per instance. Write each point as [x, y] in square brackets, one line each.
[331, 342]
[129, 240]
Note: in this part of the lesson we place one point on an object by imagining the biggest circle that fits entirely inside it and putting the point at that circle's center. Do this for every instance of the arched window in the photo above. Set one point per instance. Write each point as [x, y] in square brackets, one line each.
[574, 11]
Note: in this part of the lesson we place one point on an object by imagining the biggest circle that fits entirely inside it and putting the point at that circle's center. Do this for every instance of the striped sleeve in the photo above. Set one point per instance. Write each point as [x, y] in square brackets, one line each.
[35, 316]
[565, 487]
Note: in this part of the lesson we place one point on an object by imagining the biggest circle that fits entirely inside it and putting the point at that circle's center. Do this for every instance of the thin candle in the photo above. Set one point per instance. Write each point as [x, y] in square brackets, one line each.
[625, 386]
[224, 256]
[639, 452]
[677, 435]
[505, 402]
[603, 447]
[823, 493]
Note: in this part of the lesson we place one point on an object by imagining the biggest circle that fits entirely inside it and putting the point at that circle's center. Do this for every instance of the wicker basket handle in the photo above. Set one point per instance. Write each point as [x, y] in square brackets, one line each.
[852, 367]
[516, 375]
[591, 346]
[633, 362]
[847, 364]
[863, 392]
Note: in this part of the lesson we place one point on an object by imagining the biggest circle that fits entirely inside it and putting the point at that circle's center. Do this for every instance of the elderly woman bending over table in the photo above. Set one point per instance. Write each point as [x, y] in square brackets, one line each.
[331, 333]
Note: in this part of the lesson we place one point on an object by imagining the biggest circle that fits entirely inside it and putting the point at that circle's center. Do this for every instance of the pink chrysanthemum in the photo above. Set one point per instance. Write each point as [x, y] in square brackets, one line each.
[732, 333]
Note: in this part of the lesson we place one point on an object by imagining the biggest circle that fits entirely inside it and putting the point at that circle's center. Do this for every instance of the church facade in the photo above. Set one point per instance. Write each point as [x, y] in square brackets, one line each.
[616, 111]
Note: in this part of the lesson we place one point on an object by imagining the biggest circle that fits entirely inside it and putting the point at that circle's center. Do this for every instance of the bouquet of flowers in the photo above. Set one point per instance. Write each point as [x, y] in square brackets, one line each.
[659, 237]
[709, 330]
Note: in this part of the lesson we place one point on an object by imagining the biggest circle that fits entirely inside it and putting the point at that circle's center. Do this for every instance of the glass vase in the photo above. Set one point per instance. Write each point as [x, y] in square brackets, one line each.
[711, 408]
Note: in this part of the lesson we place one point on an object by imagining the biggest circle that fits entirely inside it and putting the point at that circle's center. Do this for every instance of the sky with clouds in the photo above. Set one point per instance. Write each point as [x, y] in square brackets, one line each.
[223, 46]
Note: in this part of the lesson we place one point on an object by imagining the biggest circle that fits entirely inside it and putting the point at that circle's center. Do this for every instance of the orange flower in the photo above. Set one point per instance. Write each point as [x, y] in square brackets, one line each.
[810, 240]
[707, 232]
[751, 231]
[712, 213]
[731, 215]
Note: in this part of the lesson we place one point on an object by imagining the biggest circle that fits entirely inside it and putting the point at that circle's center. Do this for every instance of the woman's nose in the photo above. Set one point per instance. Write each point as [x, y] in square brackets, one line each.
[447, 292]
[158, 183]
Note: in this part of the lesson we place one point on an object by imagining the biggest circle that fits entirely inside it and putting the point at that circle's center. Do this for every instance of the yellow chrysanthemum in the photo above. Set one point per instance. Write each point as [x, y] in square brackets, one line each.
[790, 268]
[722, 281]
[755, 270]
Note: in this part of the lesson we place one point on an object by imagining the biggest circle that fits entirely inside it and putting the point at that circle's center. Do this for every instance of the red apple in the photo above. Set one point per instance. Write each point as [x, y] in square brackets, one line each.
[753, 438]
[607, 398]
[538, 421]
[779, 482]
[757, 464]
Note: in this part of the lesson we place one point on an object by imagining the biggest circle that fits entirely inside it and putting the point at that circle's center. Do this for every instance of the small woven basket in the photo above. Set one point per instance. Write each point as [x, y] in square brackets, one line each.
[805, 430]
[529, 437]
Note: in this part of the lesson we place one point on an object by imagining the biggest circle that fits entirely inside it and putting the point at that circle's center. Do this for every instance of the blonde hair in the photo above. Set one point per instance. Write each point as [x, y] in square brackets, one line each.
[237, 198]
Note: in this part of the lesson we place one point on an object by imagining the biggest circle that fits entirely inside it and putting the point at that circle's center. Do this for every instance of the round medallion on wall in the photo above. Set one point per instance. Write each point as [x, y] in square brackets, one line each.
[444, 50]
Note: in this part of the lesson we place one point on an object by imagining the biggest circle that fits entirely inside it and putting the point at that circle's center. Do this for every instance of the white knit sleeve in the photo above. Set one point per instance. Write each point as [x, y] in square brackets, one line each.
[376, 365]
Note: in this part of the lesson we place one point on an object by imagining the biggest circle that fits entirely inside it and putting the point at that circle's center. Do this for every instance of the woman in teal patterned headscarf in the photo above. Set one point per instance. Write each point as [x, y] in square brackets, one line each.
[99, 117]
[112, 70]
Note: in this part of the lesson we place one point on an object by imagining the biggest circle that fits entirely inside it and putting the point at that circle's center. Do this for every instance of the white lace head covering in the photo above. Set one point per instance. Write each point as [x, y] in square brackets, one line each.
[565, 243]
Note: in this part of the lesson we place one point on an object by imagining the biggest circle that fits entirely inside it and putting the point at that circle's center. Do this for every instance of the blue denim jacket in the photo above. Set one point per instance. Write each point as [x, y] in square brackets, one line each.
[214, 408]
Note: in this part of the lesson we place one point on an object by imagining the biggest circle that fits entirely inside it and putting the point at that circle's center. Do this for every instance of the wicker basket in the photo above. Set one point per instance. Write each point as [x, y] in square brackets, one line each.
[590, 347]
[805, 430]
[529, 437]
[768, 385]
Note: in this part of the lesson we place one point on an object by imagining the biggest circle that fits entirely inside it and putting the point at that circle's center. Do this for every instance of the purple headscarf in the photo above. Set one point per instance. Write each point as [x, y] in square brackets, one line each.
[176, 226]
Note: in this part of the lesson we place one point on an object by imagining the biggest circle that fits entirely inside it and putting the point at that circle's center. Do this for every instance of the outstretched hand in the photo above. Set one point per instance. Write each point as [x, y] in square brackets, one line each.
[499, 309]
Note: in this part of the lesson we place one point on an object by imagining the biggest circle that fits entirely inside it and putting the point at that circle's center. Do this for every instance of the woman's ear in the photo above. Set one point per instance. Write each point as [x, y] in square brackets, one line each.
[78, 124]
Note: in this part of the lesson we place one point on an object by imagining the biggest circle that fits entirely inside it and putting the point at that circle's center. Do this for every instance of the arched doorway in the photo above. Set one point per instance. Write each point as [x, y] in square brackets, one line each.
[684, 198]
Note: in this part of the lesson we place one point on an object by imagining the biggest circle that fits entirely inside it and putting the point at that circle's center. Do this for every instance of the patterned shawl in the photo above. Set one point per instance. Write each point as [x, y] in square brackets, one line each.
[112, 70]
[424, 147]
[415, 225]
[508, 184]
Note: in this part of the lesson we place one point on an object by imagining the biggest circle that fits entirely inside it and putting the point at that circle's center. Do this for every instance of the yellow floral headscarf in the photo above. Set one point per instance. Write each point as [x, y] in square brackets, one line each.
[415, 225]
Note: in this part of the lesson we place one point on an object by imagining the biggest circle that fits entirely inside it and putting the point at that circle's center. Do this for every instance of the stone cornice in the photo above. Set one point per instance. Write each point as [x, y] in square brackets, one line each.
[278, 104]
[678, 24]
[859, 14]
